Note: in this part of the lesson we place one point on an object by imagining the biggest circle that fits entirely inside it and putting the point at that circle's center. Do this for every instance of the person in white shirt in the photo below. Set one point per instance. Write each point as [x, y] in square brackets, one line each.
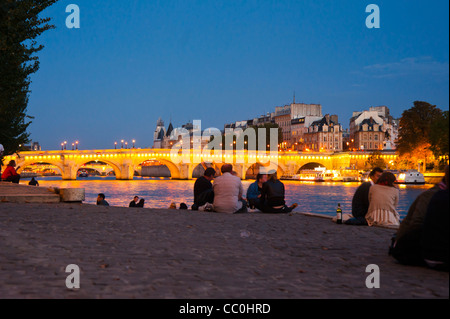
[228, 192]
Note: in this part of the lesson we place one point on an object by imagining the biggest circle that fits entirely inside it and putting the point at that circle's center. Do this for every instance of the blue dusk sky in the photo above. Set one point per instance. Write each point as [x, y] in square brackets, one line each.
[132, 62]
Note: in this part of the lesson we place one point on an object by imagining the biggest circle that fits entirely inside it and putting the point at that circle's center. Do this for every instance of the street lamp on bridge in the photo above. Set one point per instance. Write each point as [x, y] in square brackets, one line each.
[122, 143]
[134, 141]
[115, 145]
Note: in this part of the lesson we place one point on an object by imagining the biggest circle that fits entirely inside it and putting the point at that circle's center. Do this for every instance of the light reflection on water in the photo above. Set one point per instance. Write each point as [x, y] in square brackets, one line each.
[319, 198]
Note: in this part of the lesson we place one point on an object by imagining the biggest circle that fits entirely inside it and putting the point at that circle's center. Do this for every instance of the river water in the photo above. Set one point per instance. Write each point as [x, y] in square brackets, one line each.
[319, 198]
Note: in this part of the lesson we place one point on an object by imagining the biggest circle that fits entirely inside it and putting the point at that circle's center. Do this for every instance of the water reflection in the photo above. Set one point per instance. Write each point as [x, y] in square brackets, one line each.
[319, 198]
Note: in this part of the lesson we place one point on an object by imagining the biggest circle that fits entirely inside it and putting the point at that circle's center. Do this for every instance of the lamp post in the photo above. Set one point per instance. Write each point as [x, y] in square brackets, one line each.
[73, 146]
[76, 145]
[65, 145]
[126, 145]
[62, 146]
[122, 143]
[115, 145]
[134, 141]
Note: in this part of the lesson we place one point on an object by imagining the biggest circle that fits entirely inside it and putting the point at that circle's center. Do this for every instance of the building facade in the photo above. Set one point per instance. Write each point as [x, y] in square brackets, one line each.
[373, 130]
[324, 135]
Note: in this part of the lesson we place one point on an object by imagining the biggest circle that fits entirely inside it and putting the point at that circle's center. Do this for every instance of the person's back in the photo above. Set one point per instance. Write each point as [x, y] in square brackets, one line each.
[360, 201]
[228, 191]
[141, 203]
[33, 182]
[273, 193]
[383, 202]
[200, 186]
[435, 238]
[406, 248]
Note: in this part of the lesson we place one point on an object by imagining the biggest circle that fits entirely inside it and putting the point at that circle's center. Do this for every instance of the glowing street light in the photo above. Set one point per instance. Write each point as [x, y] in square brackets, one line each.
[76, 145]
[115, 145]
[134, 141]
[122, 143]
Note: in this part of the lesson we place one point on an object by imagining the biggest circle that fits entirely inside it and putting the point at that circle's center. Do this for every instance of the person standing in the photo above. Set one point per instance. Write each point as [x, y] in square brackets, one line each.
[10, 174]
[228, 192]
[360, 201]
[383, 202]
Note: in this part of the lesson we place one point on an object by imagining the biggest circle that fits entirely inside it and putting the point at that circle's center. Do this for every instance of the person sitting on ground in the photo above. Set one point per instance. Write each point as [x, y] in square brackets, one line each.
[203, 189]
[10, 174]
[134, 202]
[435, 237]
[273, 197]
[406, 248]
[228, 192]
[141, 203]
[360, 201]
[33, 182]
[101, 200]
[254, 191]
[383, 202]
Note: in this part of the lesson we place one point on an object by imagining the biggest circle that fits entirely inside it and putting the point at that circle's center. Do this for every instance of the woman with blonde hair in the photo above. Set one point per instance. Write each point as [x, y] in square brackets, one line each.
[383, 202]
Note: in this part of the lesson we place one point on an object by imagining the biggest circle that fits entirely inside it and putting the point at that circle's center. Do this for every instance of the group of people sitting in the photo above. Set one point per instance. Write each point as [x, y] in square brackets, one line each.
[423, 235]
[375, 202]
[226, 194]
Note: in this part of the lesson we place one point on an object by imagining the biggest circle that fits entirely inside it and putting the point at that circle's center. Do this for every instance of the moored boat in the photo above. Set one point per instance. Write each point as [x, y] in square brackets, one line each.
[411, 177]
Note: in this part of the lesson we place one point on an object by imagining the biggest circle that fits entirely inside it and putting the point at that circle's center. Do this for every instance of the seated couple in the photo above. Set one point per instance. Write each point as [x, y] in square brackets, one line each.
[267, 194]
[224, 196]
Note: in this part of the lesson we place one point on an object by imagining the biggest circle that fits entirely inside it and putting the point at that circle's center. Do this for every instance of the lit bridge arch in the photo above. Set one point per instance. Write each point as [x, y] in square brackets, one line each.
[125, 161]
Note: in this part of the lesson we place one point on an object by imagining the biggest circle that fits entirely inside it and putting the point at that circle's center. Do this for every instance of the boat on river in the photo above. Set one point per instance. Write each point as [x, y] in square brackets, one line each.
[410, 177]
[83, 174]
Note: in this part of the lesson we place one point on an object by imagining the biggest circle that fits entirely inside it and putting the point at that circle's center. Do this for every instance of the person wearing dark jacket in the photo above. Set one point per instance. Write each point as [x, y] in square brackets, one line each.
[360, 201]
[134, 202]
[273, 197]
[203, 189]
[435, 234]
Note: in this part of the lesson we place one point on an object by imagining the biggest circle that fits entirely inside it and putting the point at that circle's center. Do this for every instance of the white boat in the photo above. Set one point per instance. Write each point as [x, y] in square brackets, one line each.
[309, 175]
[411, 177]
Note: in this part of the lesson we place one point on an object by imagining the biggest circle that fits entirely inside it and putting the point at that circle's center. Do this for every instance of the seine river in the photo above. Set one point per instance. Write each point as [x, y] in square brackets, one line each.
[319, 198]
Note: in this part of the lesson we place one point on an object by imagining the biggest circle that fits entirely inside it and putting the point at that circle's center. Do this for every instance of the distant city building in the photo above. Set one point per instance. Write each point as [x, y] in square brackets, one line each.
[166, 139]
[324, 135]
[374, 129]
[34, 146]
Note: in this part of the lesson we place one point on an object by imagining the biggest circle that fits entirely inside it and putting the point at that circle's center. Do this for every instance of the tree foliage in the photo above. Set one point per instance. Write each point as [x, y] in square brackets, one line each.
[375, 160]
[416, 126]
[439, 135]
[20, 25]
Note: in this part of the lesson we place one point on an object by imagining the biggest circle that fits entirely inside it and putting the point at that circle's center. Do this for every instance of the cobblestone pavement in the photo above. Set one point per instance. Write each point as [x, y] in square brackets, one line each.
[144, 253]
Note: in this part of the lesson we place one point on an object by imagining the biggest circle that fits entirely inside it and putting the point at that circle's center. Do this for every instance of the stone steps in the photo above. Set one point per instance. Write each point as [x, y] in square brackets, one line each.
[15, 193]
